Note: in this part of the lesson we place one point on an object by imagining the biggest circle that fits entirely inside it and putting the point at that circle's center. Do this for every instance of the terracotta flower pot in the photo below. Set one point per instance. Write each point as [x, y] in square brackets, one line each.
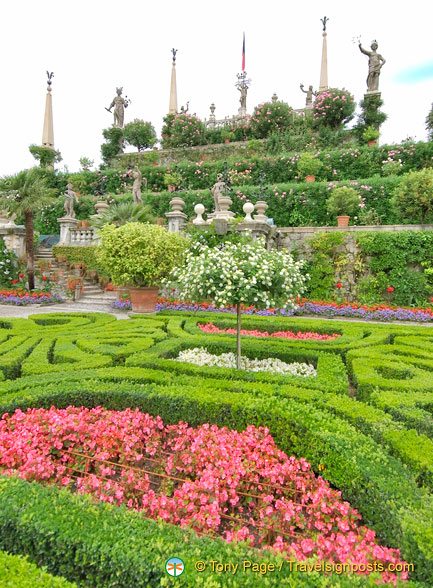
[372, 143]
[144, 299]
[343, 220]
[310, 178]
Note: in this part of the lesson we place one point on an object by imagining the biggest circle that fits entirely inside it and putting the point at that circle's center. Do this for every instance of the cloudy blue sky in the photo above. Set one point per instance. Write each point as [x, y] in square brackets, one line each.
[93, 46]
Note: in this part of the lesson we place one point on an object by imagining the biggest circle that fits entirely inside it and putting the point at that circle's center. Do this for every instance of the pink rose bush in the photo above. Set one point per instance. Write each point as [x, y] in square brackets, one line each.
[216, 481]
[211, 328]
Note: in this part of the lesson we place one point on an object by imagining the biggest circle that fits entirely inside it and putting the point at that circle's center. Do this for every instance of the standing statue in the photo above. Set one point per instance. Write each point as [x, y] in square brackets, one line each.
[243, 89]
[136, 187]
[119, 104]
[375, 63]
[217, 191]
[310, 94]
[71, 196]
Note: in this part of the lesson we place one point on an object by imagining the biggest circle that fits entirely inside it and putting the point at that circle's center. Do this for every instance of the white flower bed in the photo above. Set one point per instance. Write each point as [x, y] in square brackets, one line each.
[200, 356]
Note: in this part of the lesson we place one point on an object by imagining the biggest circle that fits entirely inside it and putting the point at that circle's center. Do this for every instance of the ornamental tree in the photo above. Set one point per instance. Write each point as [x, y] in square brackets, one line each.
[413, 197]
[140, 134]
[25, 193]
[182, 130]
[333, 108]
[239, 275]
[270, 117]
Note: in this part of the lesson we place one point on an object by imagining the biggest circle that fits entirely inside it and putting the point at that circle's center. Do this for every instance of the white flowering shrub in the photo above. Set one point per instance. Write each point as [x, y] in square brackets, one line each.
[238, 274]
[200, 356]
[8, 270]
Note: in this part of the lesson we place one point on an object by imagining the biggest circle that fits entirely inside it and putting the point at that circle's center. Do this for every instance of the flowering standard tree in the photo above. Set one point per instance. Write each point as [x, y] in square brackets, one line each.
[239, 275]
[333, 108]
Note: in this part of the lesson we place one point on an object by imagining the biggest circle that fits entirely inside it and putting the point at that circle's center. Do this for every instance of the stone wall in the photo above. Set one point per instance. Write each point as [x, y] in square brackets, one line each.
[348, 262]
[294, 237]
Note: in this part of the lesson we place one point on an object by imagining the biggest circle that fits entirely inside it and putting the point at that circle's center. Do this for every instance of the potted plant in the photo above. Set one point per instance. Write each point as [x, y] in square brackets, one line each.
[370, 135]
[138, 256]
[173, 181]
[342, 202]
[309, 166]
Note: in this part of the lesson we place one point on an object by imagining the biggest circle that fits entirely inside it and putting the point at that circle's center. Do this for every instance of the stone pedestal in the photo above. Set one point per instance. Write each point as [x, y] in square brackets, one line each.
[176, 221]
[66, 224]
[13, 235]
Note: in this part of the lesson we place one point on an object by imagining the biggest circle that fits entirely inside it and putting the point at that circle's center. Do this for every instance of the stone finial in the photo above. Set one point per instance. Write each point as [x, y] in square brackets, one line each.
[274, 97]
[199, 210]
[324, 21]
[248, 208]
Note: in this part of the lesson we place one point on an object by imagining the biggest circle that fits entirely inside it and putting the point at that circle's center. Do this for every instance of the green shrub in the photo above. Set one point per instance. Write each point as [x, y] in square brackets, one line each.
[343, 200]
[413, 197]
[333, 108]
[140, 134]
[308, 165]
[139, 254]
[270, 117]
[182, 130]
[18, 572]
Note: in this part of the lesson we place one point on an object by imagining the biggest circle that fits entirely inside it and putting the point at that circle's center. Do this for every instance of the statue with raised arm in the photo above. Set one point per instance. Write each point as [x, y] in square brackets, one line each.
[119, 104]
[217, 191]
[375, 62]
[71, 197]
[136, 187]
[309, 96]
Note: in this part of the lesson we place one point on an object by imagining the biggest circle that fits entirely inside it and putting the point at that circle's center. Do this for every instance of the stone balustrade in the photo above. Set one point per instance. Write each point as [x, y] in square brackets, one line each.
[83, 237]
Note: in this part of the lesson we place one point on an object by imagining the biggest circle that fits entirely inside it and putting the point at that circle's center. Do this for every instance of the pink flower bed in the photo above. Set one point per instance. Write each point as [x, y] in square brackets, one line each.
[216, 481]
[211, 328]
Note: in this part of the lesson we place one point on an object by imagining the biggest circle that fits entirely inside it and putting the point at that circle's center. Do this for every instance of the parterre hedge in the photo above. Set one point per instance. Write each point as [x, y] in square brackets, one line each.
[351, 424]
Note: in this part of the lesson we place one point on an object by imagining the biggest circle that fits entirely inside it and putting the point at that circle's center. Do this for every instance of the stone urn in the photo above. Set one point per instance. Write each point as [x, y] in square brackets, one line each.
[101, 206]
[343, 220]
[225, 202]
[177, 204]
[261, 207]
[143, 300]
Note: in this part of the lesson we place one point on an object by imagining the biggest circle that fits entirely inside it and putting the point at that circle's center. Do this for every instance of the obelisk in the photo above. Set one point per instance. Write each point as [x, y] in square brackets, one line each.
[48, 132]
[172, 109]
[324, 69]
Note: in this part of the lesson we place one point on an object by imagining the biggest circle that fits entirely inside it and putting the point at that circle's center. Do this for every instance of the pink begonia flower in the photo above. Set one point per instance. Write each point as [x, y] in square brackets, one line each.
[214, 470]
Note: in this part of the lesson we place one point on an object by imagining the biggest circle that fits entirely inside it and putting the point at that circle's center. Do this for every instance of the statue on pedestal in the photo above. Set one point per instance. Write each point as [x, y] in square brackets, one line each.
[375, 63]
[136, 187]
[217, 191]
[71, 197]
[119, 104]
[243, 89]
[309, 96]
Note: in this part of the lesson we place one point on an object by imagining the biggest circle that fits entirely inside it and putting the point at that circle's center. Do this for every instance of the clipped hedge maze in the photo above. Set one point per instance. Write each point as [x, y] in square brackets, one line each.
[366, 420]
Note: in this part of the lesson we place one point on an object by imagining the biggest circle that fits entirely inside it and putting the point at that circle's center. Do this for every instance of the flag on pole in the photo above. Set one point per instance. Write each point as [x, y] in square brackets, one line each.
[243, 54]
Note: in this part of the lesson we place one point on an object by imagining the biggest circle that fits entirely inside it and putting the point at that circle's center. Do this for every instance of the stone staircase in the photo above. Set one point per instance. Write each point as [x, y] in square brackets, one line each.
[93, 298]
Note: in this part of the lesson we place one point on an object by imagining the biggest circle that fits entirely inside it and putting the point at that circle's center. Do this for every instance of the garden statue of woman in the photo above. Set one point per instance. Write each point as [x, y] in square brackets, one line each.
[119, 104]
[217, 191]
[136, 187]
[375, 62]
[71, 196]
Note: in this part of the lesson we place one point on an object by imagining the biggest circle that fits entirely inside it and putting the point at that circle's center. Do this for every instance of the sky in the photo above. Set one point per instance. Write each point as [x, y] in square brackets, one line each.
[94, 46]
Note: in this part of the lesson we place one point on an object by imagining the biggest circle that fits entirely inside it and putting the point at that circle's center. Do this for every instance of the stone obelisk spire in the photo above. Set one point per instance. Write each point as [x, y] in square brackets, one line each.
[48, 132]
[172, 109]
[324, 69]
